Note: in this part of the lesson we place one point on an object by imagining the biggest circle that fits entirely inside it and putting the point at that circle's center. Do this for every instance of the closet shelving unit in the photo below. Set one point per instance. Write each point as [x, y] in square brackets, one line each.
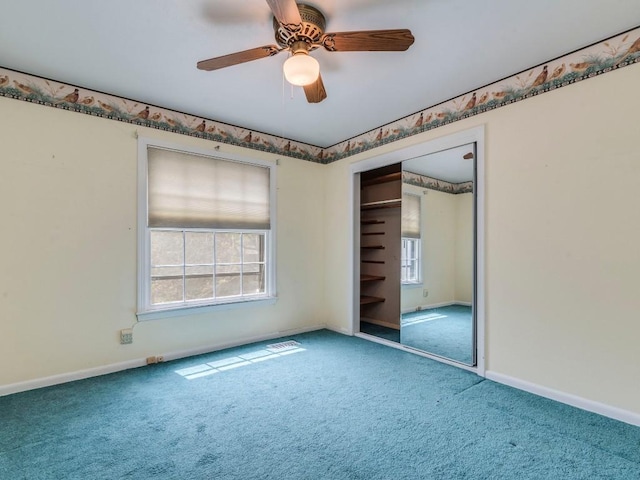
[380, 202]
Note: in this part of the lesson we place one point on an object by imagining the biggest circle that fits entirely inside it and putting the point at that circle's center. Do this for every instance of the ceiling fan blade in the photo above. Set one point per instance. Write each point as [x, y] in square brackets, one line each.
[238, 57]
[287, 13]
[368, 40]
[315, 91]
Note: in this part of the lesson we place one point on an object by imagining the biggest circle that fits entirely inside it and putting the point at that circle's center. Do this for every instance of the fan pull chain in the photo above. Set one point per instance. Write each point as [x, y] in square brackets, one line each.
[284, 106]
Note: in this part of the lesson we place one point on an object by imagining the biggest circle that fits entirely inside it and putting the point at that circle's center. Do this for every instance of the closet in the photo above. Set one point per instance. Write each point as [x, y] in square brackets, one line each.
[380, 248]
[420, 289]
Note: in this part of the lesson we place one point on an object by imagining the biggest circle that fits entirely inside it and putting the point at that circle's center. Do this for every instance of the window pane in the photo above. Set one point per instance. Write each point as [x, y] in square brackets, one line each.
[412, 273]
[253, 247]
[183, 268]
[166, 284]
[198, 248]
[163, 273]
[199, 282]
[166, 248]
[253, 279]
[410, 260]
[228, 247]
[165, 291]
[228, 280]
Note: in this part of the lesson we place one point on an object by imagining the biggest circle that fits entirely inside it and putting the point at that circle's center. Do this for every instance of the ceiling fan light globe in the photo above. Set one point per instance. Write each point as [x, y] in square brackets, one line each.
[301, 69]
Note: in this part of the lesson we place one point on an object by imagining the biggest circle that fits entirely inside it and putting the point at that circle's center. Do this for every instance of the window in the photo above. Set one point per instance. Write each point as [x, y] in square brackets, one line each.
[410, 260]
[411, 233]
[205, 229]
[197, 265]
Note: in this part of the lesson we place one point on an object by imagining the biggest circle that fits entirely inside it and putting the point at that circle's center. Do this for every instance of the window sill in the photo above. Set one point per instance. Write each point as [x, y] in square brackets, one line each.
[411, 284]
[182, 310]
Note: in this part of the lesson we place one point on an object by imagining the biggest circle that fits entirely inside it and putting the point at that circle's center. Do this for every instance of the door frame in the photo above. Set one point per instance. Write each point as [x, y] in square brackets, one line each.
[464, 137]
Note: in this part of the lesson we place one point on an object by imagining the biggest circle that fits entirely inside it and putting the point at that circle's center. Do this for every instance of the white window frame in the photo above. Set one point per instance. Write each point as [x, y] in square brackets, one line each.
[418, 260]
[147, 311]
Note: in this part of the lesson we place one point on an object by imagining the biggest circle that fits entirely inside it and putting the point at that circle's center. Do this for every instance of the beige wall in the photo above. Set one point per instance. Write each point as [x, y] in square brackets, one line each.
[447, 250]
[338, 241]
[68, 248]
[562, 235]
[437, 211]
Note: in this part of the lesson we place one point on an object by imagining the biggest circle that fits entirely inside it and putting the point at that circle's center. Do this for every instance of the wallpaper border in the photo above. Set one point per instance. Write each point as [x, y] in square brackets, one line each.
[599, 58]
[430, 183]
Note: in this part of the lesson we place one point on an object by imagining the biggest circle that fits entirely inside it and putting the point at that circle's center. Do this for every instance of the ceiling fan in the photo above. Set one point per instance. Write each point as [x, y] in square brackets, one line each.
[299, 28]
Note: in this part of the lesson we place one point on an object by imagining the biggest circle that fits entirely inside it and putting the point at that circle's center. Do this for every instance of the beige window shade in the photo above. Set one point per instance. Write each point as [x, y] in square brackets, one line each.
[192, 191]
[410, 216]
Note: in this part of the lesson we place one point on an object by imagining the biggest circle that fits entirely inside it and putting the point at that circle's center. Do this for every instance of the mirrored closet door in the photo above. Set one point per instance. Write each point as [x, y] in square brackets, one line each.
[417, 255]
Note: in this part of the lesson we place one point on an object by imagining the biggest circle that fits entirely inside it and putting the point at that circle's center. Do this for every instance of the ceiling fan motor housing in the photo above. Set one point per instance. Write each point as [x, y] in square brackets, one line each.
[312, 28]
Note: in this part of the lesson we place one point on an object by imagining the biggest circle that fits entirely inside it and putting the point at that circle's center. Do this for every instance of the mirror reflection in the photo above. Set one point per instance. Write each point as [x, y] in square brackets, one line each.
[437, 258]
[417, 253]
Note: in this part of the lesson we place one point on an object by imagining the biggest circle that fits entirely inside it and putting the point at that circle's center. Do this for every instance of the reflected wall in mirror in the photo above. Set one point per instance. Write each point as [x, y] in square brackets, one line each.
[437, 254]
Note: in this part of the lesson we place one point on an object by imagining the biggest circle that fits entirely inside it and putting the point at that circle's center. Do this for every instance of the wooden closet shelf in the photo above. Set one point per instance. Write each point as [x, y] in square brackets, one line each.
[372, 221]
[372, 233]
[392, 203]
[366, 300]
[371, 278]
[391, 177]
[373, 247]
[381, 262]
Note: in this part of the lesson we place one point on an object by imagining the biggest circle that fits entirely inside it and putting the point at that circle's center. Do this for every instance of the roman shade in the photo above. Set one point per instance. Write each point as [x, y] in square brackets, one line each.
[410, 216]
[186, 190]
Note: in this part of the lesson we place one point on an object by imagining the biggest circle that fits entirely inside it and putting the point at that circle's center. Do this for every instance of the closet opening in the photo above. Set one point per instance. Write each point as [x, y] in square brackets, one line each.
[418, 249]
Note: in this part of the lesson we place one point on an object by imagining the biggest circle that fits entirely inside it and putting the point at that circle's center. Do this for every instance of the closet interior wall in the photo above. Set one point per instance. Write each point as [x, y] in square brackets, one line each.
[380, 245]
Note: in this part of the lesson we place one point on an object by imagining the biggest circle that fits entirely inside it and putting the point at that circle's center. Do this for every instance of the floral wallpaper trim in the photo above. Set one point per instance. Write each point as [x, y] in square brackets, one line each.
[430, 183]
[606, 56]
[602, 57]
[38, 90]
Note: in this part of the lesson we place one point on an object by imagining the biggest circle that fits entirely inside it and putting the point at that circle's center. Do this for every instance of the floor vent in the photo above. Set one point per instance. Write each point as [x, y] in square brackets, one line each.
[282, 346]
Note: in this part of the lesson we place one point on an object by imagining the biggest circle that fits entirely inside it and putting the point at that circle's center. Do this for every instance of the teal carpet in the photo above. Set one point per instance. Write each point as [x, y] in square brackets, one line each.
[444, 331]
[387, 333]
[337, 407]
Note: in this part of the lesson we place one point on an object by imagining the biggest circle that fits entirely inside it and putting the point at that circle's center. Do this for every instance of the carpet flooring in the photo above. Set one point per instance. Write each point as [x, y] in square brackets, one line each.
[331, 407]
[379, 331]
[444, 331]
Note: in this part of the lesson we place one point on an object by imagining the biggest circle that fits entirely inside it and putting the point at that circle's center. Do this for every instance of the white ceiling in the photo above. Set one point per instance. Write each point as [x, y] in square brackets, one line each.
[448, 165]
[147, 50]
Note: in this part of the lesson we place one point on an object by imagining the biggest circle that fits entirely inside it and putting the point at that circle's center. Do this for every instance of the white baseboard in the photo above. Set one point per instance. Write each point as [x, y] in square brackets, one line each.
[141, 362]
[626, 416]
[340, 330]
[176, 355]
[69, 377]
[434, 305]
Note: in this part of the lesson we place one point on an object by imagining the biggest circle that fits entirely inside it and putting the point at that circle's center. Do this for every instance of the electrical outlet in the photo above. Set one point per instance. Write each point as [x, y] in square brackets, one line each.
[126, 336]
[425, 293]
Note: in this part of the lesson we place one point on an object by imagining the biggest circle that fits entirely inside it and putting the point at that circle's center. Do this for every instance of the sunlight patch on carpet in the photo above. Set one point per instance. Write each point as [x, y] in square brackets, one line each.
[423, 318]
[271, 352]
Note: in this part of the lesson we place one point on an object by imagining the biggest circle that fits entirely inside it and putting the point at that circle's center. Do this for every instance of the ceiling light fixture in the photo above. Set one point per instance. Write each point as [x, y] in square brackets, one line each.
[301, 68]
